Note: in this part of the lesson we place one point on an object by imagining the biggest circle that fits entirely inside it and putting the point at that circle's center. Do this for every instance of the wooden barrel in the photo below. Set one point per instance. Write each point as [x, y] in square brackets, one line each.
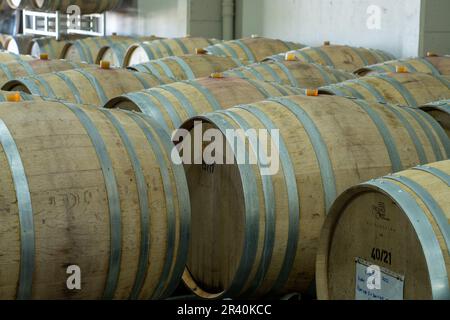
[440, 111]
[85, 86]
[115, 51]
[408, 89]
[17, 69]
[342, 57]
[3, 38]
[53, 48]
[14, 4]
[252, 49]
[292, 73]
[188, 67]
[19, 44]
[146, 51]
[255, 231]
[6, 57]
[86, 7]
[400, 224]
[17, 96]
[88, 49]
[90, 188]
[173, 104]
[432, 65]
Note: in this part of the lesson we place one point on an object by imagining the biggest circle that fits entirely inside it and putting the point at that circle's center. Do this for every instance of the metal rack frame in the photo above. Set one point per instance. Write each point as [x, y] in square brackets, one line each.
[56, 24]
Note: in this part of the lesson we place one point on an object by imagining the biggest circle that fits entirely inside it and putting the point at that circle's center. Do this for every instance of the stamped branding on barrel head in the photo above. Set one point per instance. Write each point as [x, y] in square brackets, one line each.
[380, 212]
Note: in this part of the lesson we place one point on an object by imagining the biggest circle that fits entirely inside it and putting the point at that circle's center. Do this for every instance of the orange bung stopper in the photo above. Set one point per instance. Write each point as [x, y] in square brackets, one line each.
[431, 54]
[43, 56]
[312, 92]
[326, 43]
[401, 69]
[200, 51]
[13, 97]
[104, 64]
[290, 56]
[217, 75]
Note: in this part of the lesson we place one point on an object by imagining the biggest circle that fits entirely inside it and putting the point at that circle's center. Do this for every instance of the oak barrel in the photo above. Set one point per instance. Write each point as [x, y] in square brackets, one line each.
[292, 73]
[52, 47]
[86, 7]
[342, 57]
[9, 56]
[19, 44]
[433, 65]
[18, 96]
[85, 86]
[147, 51]
[255, 231]
[17, 69]
[188, 67]
[87, 49]
[408, 89]
[3, 37]
[253, 49]
[14, 4]
[400, 224]
[175, 103]
[440, 111]
[95, 189]
[115, 51]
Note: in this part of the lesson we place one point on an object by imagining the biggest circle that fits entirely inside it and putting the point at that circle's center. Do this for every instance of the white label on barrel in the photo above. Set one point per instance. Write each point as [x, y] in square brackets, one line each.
[375, 283]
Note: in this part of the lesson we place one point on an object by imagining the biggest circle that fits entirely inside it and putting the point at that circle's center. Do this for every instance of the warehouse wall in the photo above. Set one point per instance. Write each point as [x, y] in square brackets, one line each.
[205, 18]
[166, 18]
[170, 18]
[435, 34]
[340, 21]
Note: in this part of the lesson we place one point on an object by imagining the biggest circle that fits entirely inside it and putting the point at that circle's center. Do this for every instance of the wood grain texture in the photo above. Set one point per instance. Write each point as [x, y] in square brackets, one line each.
[407, 89]
[440, 111]
[327, 144]
[371, 216]
[93, 86]
[188, 67]
[292, 73]
[147, 51]
[116, 50]
[430, 65]
[54, 48]
[346, 58]
[175, 103]
[4, 96]
[71, 203]
[88, 49]
[252, 49]
[15, 69]
[19, 44]
[9, 56]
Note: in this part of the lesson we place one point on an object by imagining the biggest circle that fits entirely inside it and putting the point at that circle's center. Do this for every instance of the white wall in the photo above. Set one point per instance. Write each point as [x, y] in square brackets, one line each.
[165, 18]
[340, 21]
[169, 18]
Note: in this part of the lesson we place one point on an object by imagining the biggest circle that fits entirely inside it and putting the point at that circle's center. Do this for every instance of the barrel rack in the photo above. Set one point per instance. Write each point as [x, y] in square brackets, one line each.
[57, 24]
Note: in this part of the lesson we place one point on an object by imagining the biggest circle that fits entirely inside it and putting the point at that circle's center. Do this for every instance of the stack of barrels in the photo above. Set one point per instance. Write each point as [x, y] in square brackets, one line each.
[117, 158]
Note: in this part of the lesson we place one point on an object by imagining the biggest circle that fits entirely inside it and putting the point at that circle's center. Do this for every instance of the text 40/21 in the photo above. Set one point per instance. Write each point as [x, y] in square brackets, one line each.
[226, 310]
